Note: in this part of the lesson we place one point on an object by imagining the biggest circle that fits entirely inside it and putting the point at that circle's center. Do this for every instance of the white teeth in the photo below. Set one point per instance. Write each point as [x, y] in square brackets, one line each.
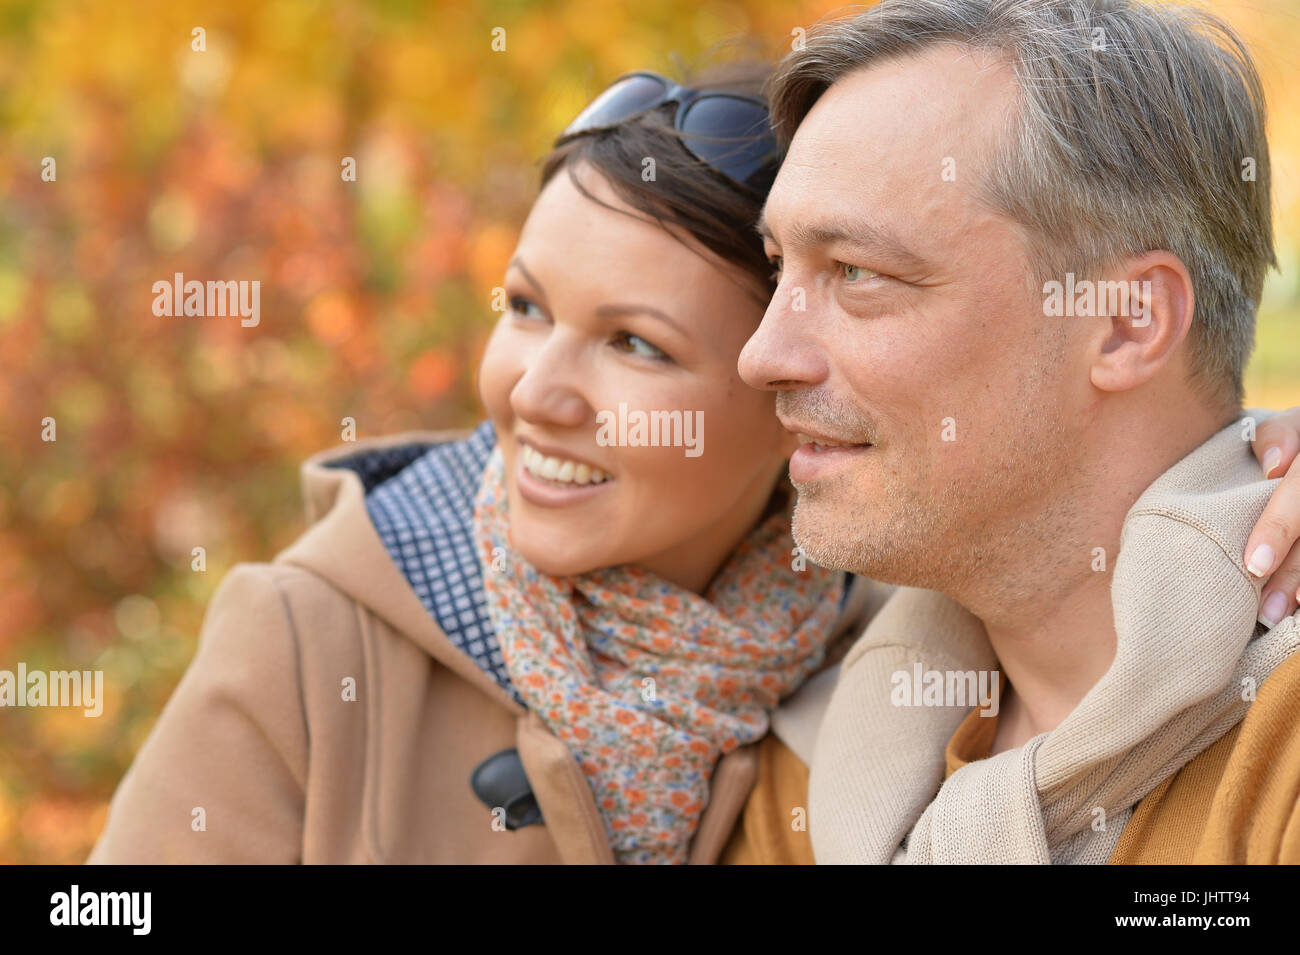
[560, 470]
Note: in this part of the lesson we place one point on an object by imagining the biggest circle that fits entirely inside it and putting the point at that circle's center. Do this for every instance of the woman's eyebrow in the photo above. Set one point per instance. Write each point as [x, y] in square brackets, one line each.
[518, 263]
[608, 311]
[619, 310]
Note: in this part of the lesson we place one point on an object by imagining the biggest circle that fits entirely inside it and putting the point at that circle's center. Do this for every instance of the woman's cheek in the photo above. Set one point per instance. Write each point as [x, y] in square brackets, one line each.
[496, 376]
[692, 474]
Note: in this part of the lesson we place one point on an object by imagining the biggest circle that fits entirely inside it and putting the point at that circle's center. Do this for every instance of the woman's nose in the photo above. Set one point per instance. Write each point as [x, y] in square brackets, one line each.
[548, 391]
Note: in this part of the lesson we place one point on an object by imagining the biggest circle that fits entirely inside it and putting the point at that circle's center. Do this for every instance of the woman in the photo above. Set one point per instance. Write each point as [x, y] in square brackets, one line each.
[560, 637]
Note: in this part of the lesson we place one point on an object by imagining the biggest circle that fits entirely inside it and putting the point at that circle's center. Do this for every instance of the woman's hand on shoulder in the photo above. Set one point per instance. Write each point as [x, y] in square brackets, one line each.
[1272, 552]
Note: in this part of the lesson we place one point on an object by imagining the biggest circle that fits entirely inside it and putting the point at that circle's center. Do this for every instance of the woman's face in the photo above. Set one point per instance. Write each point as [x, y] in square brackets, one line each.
[610, 319]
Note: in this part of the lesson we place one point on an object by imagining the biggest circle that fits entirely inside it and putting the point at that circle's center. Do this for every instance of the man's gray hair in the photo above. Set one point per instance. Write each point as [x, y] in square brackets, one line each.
[1139, 127]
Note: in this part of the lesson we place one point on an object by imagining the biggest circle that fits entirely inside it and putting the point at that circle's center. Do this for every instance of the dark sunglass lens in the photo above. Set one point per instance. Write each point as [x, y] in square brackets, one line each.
[627, 97]
[733, 136]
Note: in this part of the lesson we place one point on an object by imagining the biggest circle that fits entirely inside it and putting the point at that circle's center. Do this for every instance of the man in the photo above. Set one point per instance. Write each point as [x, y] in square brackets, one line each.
[1022, 245]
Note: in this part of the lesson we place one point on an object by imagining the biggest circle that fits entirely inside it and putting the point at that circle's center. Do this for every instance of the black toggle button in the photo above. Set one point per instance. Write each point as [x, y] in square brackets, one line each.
[500, 781]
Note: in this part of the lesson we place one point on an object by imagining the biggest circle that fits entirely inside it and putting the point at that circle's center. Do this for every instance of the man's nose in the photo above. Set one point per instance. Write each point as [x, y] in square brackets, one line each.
[784, 352]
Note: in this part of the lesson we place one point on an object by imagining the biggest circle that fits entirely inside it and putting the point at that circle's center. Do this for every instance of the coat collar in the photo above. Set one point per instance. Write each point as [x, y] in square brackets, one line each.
[342, 546]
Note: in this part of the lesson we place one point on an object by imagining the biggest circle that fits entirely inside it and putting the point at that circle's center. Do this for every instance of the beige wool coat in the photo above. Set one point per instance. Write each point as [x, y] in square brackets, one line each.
[262, 755]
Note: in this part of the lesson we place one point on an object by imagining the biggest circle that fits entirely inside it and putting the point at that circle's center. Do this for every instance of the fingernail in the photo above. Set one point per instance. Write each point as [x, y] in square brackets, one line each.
[1274, 608]
[1272, 458]
[1261, 562]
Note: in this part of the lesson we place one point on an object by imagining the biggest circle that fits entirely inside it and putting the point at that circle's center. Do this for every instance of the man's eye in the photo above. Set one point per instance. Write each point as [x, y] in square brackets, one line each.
[524, 308]
[636, 345]
[855, 273]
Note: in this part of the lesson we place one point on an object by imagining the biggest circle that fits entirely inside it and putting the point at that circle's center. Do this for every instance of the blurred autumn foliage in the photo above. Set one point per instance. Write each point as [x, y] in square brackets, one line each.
[174, 433]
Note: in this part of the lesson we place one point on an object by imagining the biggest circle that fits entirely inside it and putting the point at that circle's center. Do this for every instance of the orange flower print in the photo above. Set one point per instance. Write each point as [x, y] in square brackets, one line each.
[578, 649]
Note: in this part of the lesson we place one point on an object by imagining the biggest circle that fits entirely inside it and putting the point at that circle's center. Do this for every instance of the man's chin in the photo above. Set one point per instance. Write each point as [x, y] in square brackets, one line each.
[858, 541]
[825, 539]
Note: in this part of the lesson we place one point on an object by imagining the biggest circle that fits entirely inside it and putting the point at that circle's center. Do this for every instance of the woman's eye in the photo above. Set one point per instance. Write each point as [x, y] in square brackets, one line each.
[636, 345]
[855, 273]
[522, 306]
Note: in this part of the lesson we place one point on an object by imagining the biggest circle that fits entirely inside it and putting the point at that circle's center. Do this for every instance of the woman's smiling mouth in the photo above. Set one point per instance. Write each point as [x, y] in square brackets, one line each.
[554, 480]
[560, 470]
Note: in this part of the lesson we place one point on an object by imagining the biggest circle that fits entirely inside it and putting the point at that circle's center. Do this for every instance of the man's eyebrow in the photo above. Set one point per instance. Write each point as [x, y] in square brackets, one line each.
[853, 231]
[622, 309]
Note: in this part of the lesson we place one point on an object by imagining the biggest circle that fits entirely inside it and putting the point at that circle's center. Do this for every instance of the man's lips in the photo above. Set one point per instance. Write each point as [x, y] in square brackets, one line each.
[821, 442]
[820, 455]
[810, 435]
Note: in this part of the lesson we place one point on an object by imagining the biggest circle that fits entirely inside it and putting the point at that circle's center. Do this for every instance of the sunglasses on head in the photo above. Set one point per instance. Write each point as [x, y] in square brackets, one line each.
[729, 132]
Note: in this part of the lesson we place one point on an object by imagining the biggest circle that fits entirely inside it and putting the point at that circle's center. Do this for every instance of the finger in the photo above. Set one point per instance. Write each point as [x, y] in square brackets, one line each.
[1276, 531]
[1280, 596]
[1277, 442]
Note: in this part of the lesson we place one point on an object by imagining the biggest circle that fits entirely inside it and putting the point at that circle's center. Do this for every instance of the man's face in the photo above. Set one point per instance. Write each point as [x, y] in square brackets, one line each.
[907, 325]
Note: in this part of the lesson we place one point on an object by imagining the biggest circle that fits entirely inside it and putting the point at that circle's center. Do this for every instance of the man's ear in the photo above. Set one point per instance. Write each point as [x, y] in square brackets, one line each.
[1137, 339]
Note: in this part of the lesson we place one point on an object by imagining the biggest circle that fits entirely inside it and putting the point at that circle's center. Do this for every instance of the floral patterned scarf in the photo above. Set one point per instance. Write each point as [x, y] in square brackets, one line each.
[646, 682]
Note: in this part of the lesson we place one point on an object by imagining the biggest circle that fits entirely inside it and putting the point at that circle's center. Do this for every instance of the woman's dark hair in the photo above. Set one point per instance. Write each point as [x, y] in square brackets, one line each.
[719, 213]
